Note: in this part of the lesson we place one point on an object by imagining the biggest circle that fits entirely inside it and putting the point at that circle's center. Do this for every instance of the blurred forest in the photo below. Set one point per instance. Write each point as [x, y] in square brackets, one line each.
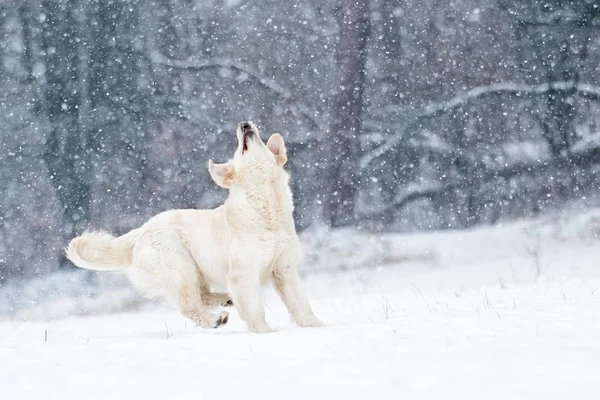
[399, 115]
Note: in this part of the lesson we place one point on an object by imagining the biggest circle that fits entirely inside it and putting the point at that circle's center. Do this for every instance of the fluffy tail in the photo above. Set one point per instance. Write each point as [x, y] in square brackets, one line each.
[101, 251]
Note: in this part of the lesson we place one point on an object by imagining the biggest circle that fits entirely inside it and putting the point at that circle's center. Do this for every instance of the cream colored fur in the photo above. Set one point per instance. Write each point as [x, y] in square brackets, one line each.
[248, 241]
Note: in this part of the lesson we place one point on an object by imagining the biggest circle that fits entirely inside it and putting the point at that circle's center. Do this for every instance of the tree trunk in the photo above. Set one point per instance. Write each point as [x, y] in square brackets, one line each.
[66, 154]
[344, 141]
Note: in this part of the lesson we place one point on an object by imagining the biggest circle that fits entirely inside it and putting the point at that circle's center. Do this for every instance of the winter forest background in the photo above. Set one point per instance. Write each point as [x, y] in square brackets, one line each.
[398, 115]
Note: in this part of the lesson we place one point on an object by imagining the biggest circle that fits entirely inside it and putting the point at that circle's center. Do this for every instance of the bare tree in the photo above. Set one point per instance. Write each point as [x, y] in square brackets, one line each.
[343, 143]
[66, 152]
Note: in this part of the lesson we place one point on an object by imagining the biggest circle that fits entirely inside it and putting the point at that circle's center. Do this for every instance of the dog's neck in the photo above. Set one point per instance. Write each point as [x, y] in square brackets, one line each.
[270, 200]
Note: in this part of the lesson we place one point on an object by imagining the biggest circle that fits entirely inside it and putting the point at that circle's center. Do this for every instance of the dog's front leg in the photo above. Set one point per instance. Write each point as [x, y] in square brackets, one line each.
[287, 285]
[243, 284]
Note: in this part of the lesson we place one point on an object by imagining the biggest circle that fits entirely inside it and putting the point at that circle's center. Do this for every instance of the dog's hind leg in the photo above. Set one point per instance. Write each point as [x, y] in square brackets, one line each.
[164, 266]
[192, 288]
[193, 306]
[210, 299]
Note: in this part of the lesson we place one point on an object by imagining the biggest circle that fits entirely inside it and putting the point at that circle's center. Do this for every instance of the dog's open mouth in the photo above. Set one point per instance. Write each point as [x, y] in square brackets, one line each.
[247, 131]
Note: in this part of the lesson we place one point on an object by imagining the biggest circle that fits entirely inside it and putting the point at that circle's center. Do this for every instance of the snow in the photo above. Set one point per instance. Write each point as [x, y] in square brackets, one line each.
[507, 312]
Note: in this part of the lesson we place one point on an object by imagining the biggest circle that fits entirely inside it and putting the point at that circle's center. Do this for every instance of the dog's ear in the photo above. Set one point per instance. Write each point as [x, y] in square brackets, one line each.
[222, 174]
[277, 147]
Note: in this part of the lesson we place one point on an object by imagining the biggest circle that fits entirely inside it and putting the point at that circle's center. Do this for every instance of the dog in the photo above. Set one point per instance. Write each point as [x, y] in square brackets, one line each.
[248, 241]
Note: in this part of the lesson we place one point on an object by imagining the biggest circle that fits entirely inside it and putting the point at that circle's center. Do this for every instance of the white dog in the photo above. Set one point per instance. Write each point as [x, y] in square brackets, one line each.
[246, 242]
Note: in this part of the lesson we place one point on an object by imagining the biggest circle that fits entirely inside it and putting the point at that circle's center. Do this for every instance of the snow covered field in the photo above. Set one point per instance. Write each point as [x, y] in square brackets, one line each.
[508, 312]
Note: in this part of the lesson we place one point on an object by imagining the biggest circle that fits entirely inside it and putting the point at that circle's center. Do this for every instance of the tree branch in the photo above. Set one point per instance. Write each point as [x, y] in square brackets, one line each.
[199, 65]
[426, 193]
[435, 108]
[255, 75]
[582, 159]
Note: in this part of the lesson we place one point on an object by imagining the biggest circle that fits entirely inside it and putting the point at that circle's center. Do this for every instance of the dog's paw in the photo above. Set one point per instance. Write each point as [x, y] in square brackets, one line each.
[311, 322]
[218, 300]
[222, 319]
[260, 328]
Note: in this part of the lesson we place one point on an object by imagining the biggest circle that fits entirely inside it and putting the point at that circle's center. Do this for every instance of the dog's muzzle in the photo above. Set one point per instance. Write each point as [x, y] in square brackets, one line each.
[247, 133]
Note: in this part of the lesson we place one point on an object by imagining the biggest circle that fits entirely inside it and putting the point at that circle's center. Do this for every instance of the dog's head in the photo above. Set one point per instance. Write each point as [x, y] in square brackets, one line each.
[253, 160]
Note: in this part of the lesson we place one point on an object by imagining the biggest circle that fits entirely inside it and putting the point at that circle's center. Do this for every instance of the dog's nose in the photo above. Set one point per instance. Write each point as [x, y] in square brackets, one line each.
[246, 126]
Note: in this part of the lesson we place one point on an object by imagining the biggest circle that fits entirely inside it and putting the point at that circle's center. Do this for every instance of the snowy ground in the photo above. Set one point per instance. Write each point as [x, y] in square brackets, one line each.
[508, 312]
